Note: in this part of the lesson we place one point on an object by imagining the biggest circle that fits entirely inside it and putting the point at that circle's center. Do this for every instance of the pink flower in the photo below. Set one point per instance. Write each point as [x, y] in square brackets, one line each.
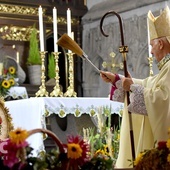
[11, 152]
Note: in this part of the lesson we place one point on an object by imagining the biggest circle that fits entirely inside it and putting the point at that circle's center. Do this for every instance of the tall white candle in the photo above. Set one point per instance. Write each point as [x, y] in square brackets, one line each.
[41, 34]
[69, 22]
[72, 35]
[1, 68]
[17, 54]
[149, 46]
[55, 32]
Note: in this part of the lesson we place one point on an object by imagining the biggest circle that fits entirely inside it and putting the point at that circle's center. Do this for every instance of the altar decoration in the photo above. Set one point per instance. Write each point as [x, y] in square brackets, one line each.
[79, 153]
[156, 158]
[73, 155]
[7, 80]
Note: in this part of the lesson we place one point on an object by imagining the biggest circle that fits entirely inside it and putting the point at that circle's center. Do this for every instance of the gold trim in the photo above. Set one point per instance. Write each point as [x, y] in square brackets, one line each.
[62, 20]
[19, 10]
[16, 33]
[6, 124]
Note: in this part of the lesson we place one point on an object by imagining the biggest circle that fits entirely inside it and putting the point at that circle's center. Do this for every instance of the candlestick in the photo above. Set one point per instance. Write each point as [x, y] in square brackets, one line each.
[70, 90]
[55, 32]
[42, 92]
[41, 34]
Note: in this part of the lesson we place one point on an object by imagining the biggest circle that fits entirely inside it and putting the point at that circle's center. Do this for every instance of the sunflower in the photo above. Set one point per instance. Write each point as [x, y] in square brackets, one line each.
[12, 70]
[18, 136]
[6, 84]
[77, 151]
[74, 151]
[12, 82]
[139, 158]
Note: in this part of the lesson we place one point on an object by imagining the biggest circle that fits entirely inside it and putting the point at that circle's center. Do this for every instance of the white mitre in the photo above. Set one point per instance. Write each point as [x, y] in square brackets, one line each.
[159, 26]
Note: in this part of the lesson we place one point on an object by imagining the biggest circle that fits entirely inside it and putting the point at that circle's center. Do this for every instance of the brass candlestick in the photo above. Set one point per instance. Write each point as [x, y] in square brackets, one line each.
[150, 59]
[56, 90]
[42, 89]
[70, 90]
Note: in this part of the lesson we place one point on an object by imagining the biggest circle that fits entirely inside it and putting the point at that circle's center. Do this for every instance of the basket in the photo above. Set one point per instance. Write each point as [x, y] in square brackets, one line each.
[64, 164]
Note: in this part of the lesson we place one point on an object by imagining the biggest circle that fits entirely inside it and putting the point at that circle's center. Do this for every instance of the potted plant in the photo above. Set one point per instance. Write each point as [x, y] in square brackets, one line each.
[51, 70]
[34, 59]
[51, 66]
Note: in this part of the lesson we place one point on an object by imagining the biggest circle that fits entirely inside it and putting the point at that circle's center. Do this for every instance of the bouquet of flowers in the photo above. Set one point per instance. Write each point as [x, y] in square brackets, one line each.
[156, 158]
[79, 153]
[7, 80]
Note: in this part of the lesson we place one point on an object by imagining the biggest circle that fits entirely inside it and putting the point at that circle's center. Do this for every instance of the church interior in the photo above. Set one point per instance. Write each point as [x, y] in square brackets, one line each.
[65, 94]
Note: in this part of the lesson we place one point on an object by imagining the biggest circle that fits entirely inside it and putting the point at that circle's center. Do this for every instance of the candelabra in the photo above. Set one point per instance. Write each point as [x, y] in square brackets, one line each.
[70, 90]
[56, 91]
[112, 64]
[150, 59]
[42, 92]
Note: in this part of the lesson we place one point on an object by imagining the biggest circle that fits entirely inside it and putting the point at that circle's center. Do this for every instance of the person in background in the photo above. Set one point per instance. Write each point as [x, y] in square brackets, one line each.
[149, 98]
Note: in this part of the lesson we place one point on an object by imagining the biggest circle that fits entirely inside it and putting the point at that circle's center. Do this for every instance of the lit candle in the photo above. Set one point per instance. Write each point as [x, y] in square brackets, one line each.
[149, 46]
[41, 30]
[55, 29]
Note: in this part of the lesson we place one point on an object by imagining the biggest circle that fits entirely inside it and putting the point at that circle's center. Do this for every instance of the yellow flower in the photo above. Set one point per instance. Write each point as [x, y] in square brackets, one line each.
[12, 70]
[74, 151]
[168, 158]
[18, 136]
[6, 84]
[106, 150]
[99, 152]
[12, 82]
[139, 158]
[168, 143]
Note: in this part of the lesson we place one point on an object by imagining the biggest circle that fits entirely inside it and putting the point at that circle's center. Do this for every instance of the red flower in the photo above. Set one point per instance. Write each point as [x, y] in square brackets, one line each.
[162, 145]
[5, 71]
[77, 151]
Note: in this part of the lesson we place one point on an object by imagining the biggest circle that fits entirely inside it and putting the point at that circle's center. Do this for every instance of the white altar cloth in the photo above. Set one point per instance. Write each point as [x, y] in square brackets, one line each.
[17, 92]
[30, 113]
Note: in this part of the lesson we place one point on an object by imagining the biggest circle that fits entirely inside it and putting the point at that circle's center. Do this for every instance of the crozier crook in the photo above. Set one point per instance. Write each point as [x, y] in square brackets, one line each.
[122, 49]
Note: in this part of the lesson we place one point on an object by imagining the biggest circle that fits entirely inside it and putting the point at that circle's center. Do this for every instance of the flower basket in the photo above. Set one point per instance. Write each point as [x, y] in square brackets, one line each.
[75, 155]
[64, 163]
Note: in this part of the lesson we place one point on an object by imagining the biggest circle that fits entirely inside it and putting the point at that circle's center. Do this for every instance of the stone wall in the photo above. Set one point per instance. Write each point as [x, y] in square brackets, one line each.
[99, 47]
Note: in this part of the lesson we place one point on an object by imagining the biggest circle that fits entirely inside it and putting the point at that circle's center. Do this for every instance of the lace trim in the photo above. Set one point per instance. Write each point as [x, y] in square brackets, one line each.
[137, 103]
[119, 93]
[163, 61]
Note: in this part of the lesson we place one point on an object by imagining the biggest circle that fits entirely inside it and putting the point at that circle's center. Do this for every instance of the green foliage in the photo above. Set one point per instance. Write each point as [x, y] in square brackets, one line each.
[51, 66]
[34, 54]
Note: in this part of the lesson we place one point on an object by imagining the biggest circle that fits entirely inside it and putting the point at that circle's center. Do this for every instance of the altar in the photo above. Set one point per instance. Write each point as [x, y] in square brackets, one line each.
[31, 113]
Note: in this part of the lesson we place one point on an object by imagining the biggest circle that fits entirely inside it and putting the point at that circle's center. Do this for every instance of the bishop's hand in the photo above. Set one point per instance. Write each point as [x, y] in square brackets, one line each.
[107, 77]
